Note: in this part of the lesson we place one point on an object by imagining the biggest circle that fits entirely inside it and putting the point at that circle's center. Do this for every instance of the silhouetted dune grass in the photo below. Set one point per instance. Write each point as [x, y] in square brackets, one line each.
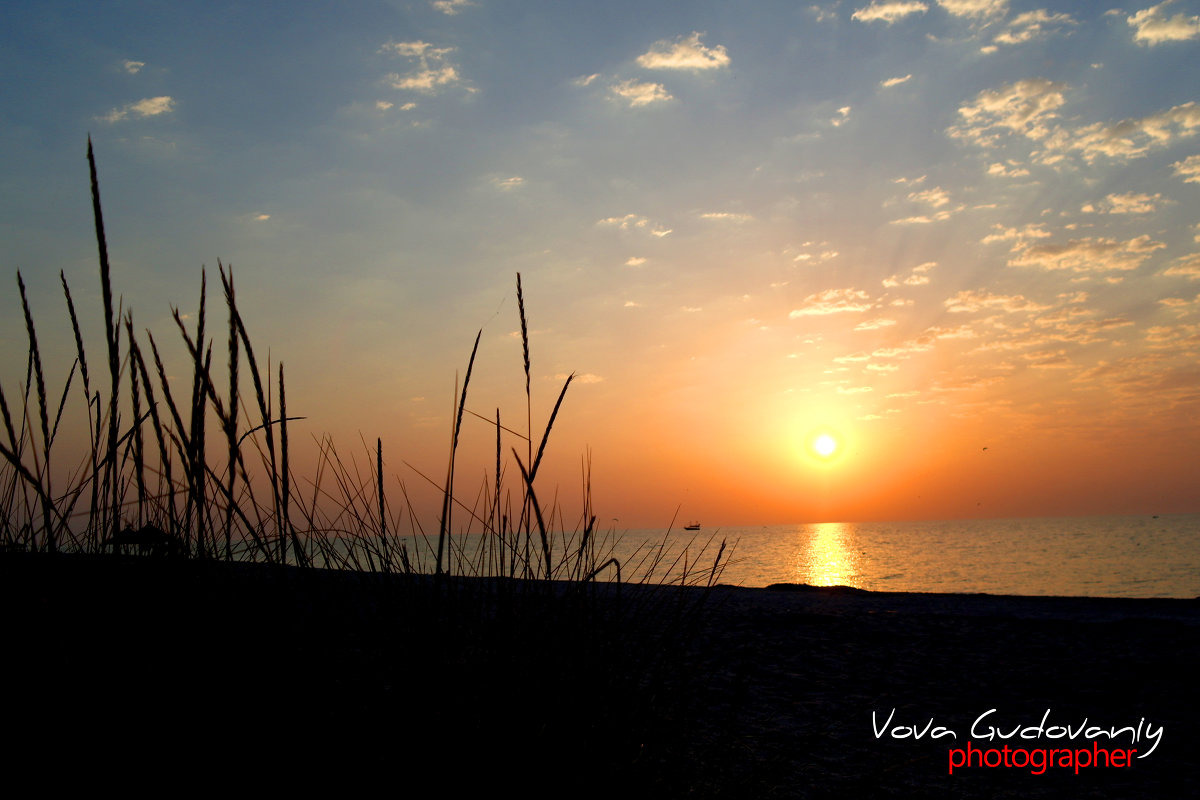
[174, 594]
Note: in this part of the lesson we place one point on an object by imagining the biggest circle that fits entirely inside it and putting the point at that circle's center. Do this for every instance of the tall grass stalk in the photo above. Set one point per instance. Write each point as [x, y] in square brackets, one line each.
[244, 504]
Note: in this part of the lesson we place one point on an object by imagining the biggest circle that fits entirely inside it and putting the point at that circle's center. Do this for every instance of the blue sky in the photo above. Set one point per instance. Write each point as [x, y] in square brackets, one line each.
[930, 226]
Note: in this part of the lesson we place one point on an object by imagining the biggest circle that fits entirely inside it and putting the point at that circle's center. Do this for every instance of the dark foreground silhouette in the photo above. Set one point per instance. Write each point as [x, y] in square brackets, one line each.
[137, 670]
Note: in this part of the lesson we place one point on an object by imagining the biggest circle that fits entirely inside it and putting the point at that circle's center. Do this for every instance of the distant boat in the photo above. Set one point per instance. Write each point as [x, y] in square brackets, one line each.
[692, 526]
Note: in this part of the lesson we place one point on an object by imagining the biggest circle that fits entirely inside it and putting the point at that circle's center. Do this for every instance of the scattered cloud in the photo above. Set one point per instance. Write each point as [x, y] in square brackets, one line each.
[133, 67]
[1129, 138]
[975, 8]
[1086, 255]
[450, 7]
[149, 107]
[971, 301]
[1152, 26]
[843, 114]
[585, 377]
[1010, 169]
[508, 184]
[874, 324]
[917, 277]
[1029, 108]
[1130, 203]
[686, 52]
[262, 217]
[586, 80]
[1188, 169]
[889, 11]
[924, 219]
[1031, 25]
[1003, 234]
[936, 197]
[634, 222]
[1026, 107]
[432, 71]
[635, 261]
[833, 301]
[1188, 266]
[890, 82]
[641, 93]
[726, 216]
[382, 105]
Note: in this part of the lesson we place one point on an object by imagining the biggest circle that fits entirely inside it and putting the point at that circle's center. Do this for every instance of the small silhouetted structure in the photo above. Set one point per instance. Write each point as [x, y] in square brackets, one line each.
[149, 540]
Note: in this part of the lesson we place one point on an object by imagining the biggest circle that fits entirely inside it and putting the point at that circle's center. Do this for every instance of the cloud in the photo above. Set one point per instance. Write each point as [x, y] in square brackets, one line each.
[382, 105]
[874, 324]
[1188, 169]
[924, 219]
[917, 277]
[971, 301]
[726, 216]
[1129, 138]
[262, 217]
[1087, 255]
[890, 82]
[843, 114]
[634, 222]
[586, 80]
[684, 53]
[433, 69]
[586, 377]
[1029, 108]
[635, 261]
[1032, 25]
[833, 301]
[450, 7]
[1011, 169]
[824, 255]
[975, 8]
[1034, 231]
[889, 11]
[1025, 107]
[1152, 26]
[1129, 203]
[133, 67]
[150, 107]
[508, 184]
[1188, 266]
[640, 93]
[936, 197]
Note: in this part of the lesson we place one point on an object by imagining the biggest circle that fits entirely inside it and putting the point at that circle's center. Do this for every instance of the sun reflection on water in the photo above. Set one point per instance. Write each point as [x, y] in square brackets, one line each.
[827, 555]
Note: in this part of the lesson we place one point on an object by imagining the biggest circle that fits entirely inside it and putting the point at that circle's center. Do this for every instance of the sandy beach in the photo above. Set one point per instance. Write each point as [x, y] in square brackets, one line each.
[781, 692]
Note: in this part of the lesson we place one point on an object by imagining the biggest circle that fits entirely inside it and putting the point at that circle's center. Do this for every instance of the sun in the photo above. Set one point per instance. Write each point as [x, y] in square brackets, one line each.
[825, 445]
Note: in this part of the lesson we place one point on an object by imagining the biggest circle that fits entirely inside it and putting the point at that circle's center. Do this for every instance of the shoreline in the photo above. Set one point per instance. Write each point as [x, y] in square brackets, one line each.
[770, 691]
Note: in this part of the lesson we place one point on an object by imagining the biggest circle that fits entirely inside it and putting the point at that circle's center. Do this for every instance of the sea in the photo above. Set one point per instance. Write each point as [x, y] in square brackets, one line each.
[1099, 556]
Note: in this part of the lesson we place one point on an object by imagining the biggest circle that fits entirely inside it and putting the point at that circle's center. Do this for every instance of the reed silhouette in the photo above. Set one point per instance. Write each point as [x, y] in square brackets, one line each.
[179, 589]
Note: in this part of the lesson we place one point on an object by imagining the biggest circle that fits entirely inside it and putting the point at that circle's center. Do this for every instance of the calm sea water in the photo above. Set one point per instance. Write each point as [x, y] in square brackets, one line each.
[1087, 556]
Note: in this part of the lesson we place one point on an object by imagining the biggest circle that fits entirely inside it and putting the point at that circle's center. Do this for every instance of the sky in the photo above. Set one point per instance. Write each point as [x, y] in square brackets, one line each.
[960, 237]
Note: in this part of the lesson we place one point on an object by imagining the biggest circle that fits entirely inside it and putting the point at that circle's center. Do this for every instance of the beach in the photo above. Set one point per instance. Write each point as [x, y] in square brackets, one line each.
[141, 667]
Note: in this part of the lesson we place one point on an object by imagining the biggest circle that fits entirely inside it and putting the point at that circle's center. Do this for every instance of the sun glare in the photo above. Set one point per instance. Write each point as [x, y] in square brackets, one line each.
[825, 445]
